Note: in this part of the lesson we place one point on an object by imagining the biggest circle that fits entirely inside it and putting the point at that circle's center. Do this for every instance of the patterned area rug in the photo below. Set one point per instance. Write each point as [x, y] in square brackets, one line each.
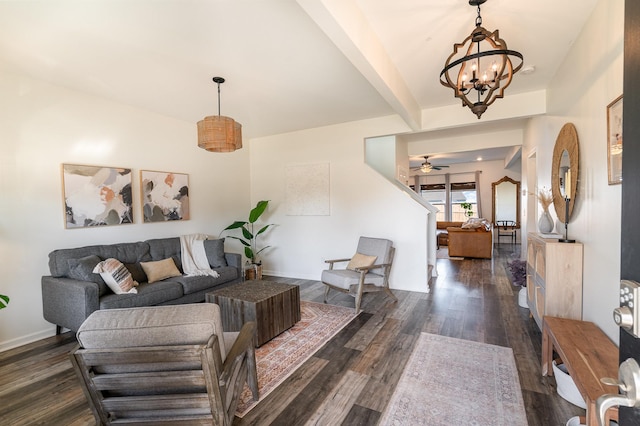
[451, 381]
[282, 355]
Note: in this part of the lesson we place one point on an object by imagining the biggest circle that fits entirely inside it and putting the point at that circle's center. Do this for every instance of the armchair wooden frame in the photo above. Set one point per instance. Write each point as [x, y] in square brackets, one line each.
[363, 286]
[167, 384]
[506, 228]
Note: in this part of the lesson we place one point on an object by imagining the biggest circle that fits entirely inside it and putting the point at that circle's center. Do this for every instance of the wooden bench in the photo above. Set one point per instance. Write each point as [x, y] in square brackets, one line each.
[588, 354]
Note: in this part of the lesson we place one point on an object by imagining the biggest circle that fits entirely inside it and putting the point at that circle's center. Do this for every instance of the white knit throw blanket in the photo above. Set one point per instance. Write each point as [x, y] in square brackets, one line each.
[194, 258]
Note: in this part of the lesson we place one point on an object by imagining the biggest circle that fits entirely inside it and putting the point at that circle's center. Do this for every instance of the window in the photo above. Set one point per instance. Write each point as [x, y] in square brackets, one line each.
[436, 195]
[457, 193]
[463, 193]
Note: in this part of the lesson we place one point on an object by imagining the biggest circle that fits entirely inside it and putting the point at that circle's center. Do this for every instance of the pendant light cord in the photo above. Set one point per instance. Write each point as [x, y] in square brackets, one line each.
[218, 99]
[218, 80]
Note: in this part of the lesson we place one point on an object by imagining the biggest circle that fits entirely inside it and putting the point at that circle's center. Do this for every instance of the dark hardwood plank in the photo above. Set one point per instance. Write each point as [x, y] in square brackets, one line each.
[360, 416]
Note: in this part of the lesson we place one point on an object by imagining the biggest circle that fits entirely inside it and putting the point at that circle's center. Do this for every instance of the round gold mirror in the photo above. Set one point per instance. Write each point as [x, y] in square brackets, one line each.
[564, 171]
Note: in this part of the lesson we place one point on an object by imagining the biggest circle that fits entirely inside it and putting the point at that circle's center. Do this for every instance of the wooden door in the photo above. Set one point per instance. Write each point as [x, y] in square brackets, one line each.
[630, 238]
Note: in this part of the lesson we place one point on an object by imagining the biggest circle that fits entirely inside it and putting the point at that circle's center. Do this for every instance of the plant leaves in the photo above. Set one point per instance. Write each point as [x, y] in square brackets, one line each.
[4, 301]
[266, 247]
[248, 253]
[241, 240]
[263, 229]
[235, 225]
[257, 211]
[245, 233]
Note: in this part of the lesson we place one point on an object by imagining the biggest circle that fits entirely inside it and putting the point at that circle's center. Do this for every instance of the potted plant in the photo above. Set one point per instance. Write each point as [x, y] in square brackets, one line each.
[250, 239]
[468, 209]
[4, 301]
[518, 269]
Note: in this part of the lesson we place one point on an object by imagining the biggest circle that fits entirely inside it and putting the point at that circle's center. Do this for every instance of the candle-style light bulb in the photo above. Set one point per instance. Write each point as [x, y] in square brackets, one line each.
[463, 81]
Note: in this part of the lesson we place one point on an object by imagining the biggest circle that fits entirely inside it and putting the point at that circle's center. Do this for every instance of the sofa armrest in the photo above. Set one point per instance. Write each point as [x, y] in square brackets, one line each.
[67, 302]
[235, 260]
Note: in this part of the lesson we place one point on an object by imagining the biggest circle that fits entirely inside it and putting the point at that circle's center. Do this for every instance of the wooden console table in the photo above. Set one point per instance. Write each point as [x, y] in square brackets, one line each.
[588, 355]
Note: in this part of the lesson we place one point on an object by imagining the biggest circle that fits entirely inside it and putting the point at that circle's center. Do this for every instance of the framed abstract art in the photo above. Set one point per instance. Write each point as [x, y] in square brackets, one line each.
[96, 195]
[165, 196]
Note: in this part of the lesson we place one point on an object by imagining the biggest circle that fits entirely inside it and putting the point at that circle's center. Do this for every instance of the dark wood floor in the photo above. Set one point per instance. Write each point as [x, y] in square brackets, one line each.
[350, 380]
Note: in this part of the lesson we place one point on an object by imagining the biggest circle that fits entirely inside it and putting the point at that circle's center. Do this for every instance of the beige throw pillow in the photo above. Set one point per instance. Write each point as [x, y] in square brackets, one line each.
[160, 269]
[360, 260]
[116, 276]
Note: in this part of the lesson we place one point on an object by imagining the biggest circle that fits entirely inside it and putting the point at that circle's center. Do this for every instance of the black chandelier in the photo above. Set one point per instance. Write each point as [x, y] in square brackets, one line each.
[485, 70]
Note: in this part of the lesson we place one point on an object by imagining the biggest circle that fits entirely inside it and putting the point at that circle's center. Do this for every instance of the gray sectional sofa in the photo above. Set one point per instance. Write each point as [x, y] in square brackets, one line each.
[72, 291]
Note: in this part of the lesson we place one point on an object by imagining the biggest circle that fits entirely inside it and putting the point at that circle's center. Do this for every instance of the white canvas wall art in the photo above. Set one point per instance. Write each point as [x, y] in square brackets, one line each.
[96, 195]
[165, 196]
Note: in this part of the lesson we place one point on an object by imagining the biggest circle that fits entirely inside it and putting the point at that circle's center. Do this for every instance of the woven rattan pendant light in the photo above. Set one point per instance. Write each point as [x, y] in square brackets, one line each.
[217, 133]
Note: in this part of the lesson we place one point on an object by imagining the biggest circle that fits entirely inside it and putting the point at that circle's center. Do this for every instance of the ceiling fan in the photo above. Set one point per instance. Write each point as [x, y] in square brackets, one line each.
[427, 167]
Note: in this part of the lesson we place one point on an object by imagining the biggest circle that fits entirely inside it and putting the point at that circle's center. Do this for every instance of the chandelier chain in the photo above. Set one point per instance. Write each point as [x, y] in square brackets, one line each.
[479, 18]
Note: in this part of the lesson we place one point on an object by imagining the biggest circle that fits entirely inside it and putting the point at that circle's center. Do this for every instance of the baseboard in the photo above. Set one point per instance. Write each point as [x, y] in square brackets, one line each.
[23, 340]
[297, 275]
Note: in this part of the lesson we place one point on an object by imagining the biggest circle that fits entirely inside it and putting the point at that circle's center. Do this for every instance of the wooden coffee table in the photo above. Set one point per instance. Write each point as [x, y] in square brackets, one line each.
[275, 307]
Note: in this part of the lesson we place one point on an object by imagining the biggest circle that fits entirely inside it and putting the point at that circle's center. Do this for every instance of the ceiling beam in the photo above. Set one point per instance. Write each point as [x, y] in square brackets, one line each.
[345, 24]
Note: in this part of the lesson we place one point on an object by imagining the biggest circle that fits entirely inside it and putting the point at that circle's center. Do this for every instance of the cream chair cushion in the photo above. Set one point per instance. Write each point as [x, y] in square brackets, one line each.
[190, 324]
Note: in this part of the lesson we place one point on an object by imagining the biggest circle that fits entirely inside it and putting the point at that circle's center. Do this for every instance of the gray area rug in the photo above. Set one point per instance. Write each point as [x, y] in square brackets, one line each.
[451, 381]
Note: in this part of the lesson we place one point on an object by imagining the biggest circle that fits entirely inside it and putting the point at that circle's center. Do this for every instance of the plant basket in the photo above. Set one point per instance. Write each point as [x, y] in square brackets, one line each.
[566, 387]
[253, 271]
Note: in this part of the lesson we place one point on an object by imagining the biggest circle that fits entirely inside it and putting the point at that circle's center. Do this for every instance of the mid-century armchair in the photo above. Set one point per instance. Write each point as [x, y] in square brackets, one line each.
[164, 364]
[368, 270]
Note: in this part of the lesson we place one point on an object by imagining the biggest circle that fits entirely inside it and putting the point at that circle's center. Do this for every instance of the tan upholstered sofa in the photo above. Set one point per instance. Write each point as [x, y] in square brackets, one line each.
[441, 231]
[470, 242]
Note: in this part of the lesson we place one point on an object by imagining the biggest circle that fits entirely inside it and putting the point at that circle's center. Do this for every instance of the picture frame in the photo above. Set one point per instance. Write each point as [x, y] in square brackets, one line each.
[164, 195]
[614, 141]
[96, 196]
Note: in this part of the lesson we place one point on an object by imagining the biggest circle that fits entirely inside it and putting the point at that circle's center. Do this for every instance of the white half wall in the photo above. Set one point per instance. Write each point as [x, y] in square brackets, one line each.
[363, 202]
[44, 126]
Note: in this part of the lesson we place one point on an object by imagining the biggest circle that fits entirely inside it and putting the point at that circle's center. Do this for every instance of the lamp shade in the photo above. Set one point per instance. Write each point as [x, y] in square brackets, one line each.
[217, 133]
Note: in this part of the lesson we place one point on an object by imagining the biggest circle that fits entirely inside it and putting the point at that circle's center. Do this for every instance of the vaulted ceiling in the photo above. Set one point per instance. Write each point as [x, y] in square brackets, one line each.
[289, 64]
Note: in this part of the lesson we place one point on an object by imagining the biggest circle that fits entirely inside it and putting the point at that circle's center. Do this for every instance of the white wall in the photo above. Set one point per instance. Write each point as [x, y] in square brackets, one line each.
[382, 154]
[362, 203]
[466, 142]
[588, 80]
[43, 126]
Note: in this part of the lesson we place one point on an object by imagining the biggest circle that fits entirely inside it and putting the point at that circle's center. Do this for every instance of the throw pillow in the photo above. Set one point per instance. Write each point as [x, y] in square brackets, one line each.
[161, 269]
[137, 273]
[117, 276]
[82, 269]
[471, 224]
[215, 252]
[360, 260]
[477, 223]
